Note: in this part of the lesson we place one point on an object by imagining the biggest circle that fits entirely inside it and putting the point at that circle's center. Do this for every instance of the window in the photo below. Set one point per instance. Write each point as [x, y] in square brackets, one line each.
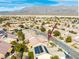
[38, 50]
[41, 50]
[46, 49]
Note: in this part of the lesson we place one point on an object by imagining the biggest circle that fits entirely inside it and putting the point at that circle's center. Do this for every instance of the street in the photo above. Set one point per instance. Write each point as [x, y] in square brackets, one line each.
[68, 49]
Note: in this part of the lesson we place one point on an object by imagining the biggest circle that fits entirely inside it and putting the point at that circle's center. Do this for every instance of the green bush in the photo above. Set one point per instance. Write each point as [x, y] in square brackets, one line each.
[49, 31]
[43, 23]
[55, 57]
[59, 49]
[37, 27]
[68, 39]
[73, 32]
[56, 33]
[14, 43]
[43, 29]
[61, 38]
[20, 47]
[52, 44]
[13, 57]
[31, 55]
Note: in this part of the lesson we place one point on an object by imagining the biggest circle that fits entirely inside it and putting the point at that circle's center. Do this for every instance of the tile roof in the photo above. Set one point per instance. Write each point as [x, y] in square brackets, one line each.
[37, 39]
[4, 47]
[11, 35]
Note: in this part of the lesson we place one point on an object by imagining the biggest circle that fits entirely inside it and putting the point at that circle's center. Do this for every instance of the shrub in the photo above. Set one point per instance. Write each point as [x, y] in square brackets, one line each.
[68, 39]
[22, 26]
[55, 57]
[13, 57]
[49, 31]
[20, 48]
[56, 33]
[73, 32]
[37, 27]
[52, 44]
[43, 23]
[43, 29]
[59, 49]
[14, 43]
[30, 54]
[61, 38]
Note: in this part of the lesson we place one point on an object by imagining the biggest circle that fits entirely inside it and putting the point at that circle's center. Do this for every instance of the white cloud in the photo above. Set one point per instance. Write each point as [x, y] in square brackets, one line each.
[10, 9]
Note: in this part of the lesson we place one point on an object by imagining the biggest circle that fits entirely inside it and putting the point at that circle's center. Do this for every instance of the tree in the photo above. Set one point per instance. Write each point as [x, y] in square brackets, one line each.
[13, 57]
[55, 57]
[56, 33]
[68, 39]
[20, 47]
[13, 43]
[21, 35]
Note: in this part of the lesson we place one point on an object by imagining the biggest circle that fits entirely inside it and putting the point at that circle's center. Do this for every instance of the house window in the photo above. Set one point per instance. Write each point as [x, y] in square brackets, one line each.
[38, 50]
[46, 49]
[41, 50]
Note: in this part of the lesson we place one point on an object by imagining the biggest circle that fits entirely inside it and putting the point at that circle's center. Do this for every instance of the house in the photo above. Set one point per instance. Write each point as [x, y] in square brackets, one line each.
[2, 32]
[76, 39]
[28, 34]
[41, 52]
[8, 38]
[5, 49]
[38, 39]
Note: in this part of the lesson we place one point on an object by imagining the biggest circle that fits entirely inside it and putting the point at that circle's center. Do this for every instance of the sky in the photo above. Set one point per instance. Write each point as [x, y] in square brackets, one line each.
[11, 5]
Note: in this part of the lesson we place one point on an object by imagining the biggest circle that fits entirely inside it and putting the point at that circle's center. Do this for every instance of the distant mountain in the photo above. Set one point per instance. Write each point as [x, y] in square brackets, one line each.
[45, 10]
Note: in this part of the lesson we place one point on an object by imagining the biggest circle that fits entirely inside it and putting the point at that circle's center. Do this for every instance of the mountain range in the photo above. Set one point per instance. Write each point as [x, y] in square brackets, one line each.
[45, 10]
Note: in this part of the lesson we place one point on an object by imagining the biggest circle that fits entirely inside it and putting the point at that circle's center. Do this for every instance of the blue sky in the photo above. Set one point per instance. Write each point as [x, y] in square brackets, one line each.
[11, 5]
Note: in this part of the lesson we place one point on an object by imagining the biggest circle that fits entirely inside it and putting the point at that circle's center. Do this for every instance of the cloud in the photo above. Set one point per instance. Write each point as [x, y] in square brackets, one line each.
[10, 9]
